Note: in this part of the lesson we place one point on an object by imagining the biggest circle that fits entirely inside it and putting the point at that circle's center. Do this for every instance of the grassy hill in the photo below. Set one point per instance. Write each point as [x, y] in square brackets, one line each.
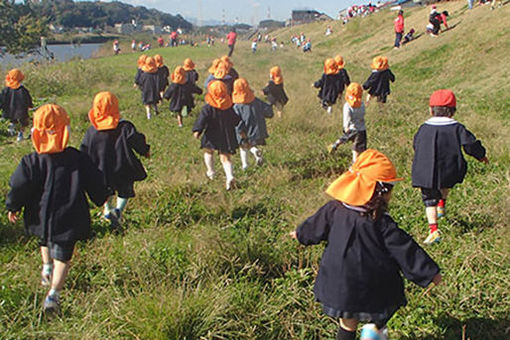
[196, 261]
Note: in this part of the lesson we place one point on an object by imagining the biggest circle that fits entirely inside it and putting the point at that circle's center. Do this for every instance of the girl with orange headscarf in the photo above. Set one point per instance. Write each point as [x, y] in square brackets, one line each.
[217, 124]
[163, 74]
[189, 68]
[220, 72]
[253, 112]
[378, 83]
[140, 63]
[180, 94]
[331, 84]
[15, 101]
[230, 67]
[149, 85]
[54, 201]
[274, 90]
[366, 253]
[112, 144]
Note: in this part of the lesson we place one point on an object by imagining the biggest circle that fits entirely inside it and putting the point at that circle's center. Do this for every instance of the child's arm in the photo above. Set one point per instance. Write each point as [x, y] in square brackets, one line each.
[197, 90]
[347, 80]
[136, 140]
[319, 83]
[21, 185]
[370, 81]
[93, 180]
[391, 76]
[472, 146]
[200, 123]
[30, 104]
[347, 117]
[315, 228]
[168, 92]
[265, 90]
[267, 110]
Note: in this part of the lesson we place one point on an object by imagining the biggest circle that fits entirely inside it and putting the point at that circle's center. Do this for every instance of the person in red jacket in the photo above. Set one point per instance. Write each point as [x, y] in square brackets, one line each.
[399, 28]
[231, 41]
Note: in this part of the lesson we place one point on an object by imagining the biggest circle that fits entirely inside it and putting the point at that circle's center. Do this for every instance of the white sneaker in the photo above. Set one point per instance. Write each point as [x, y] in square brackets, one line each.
[210, 175]
[51, 305]
[230, 184]
[20, 137]
[149, 116]
[369, 332]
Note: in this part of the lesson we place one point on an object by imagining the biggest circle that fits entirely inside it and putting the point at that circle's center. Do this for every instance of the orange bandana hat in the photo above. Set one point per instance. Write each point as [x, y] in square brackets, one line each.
[242, 93]
[356, 186]
[340, 62]
[50, 133]
[14, 78]
[353, 95]
[141, 60]
[276, 75]
[330, 66]
[228, 62]
[150, 65]
[214, 65]
[159, 60]
[221, 70]
[217, 95]
[379, 63]
[104, 114]
[179, 75]
[188, 64]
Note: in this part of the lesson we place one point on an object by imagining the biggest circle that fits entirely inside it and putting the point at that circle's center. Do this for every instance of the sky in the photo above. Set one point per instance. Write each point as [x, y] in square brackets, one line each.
[243, 11]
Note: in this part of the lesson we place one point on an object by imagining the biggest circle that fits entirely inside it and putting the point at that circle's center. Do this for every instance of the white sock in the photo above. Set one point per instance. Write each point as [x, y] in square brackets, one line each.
[121, 203]
[108, 206]
[244, 157]
[255, 152]
[354, 156]
[54, 292]
[209, 163]
[227, 167]
[47, 268]
[329, 109]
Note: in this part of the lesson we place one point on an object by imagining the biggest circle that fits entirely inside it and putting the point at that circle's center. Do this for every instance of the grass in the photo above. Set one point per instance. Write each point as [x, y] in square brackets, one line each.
[199, 262]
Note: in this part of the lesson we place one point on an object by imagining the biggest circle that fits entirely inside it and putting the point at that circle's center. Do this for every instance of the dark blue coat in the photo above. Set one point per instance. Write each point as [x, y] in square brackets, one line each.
[253, 116]
[331, 86]
[275, 93]
[181, 95]
[149, 85]
[378, 83]
[15, 103]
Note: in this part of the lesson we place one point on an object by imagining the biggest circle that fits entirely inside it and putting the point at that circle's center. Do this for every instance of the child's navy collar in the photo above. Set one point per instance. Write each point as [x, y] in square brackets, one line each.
[441, 121]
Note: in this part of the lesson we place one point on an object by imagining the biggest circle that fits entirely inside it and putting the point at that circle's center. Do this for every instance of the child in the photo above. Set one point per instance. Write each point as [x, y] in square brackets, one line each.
[378, 84]
[307, 47]
[111, 144]
[343, 73]
[354, 121]
[50, 186]
[254, 45]
[330, 85]
[163, 74]
[191, 73]
[231, 71]
[408, 37]
[253, 113]
[180, 94]
[217, 124]
[221, 73]
[359, 278]
[140, 63]
[274, 90]
[438, 162]
[15, 100]
[149, 84]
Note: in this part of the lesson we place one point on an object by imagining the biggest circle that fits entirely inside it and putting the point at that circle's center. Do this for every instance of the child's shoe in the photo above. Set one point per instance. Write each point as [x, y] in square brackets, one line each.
[20, 137]
[433, 237]
[149, 116]
[369, 332]
[11, 131]
[259, 160]
[51, 305]
[209, 175]
[329, 109]
[114, 217]
[230, 184]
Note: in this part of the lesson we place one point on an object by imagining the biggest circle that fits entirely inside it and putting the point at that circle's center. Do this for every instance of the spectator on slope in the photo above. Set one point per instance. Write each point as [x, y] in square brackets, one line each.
[111, 143]
[274, 90]
[254, 46]
[307, 47]
[161, 41]
[378, 83]
[330, 85]
[343, 73]
[409, 36]
[353, 122]
[366, 253]
[217, 125]
[253, 113]
[438, 162]
[173, 39]
[133, 45]
[116, 47]
[49, 185]
[149, 84]
[399, 28]
[231, 41]
[163, 74]
[15, 101]
[180, 93]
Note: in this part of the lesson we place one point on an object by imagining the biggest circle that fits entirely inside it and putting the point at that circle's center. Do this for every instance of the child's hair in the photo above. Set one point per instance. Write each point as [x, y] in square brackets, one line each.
[378, 205]
[443, 111]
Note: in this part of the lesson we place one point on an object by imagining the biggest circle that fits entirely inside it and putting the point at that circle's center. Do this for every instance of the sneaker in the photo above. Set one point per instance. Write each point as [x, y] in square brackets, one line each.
[230, 184]
[260, 161]
[433, 237]
[149, 116]
[210, 175]
[369, 332]
[331, 148]
[20, 137]
[114, 217]
[51, 305]
[11, 131]
[329, 109]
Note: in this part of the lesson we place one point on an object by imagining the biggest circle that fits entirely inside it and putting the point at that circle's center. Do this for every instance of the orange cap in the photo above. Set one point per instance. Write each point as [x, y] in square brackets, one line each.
[150, 65]
[217, 95]
[379, 63]
[159, 60]
[276, 75]
[141, 60]
[50, 133]
[188, 64]
[214, 65]
[330, 66]
[221, 70]
[242, 93]
[353, 94]
[356, 186]
[228, 62]
[443, 98]
[340, 61]
[104, 114]
[179, 75]
[14, 78]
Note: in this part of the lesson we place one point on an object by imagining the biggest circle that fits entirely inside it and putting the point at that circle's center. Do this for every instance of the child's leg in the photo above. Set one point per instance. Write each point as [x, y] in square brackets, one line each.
[347, 329]
[441, 205]
[209, 162]
[225, 159]
[59, 275]
[108, 206]
[179, 119]
[244, 157]
[431, 199]
[121, 203]
[61, 254]
[47, 265]
[148, 111]
[156, 108]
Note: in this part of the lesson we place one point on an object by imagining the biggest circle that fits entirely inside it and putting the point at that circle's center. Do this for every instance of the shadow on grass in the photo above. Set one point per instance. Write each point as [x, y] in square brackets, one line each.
[317, 165]
[476, 222]
[12, 233]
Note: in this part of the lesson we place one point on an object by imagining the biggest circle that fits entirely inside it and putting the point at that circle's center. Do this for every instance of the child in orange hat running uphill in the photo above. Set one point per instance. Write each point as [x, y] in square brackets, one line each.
[378, 83]
[111, 143]
[217, 124]
[140, 63]
[163, 74]
[330, 85]
[149, 84]
[343, 73]
[253, 113]
[438, 162]
[50, 186]
[15, 101]
[274, 90]
[359, 278]
[191, 73]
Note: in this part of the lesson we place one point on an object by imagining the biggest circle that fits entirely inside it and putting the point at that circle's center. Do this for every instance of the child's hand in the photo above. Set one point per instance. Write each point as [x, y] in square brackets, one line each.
[293, 235]
[12, 216]
[437, 279]
[196, 134]
[134, 86]
[484, 160]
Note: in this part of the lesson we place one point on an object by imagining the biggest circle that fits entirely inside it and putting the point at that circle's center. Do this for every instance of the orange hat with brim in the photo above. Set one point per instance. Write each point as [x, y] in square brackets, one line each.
[159, 60]
[221, 70]
[379, 63]
[242, 93]
[276, 75]
[141, 60]
[188, 64]
[179, 75]
[214, 65]
[50, 133]
[356, 186]
[330, 66]
[340, 62]
[228, 62]
[14, 78]
[443, 98]
[104, 114]
[217, 95]
[353, 95]
[150, 65]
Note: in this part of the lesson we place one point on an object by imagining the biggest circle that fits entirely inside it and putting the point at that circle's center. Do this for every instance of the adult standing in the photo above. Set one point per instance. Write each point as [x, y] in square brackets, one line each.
[231, 40]
[399, 28]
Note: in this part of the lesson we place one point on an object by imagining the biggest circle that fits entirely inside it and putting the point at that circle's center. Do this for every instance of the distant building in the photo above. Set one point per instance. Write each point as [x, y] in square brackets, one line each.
[152, 28]
[307, 16]
[271, 24]
[125, 28]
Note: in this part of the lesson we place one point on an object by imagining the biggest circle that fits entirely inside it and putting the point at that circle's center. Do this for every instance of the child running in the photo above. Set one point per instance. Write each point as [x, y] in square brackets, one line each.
[180, 94]
[50, 186]
[111, 143]
[217, 124]
[140, 63]
[231, 71]
[220, 71]
[438, 162]
[149, 84]
[330, 85]
[191, 73]
[15, 101]
[274, 90]
[354, 122]
[253, 113]
[163, 74]
[378, 84]
[340, 62]
[359, 278]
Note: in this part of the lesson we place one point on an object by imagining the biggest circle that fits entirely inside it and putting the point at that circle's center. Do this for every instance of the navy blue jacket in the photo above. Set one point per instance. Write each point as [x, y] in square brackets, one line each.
[331, 86]
[275, 93]
[181, 95]
[15, 103]
[378, 83]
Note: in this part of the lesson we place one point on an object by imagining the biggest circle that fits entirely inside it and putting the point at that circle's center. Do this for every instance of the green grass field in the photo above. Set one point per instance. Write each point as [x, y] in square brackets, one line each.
[197, 262]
